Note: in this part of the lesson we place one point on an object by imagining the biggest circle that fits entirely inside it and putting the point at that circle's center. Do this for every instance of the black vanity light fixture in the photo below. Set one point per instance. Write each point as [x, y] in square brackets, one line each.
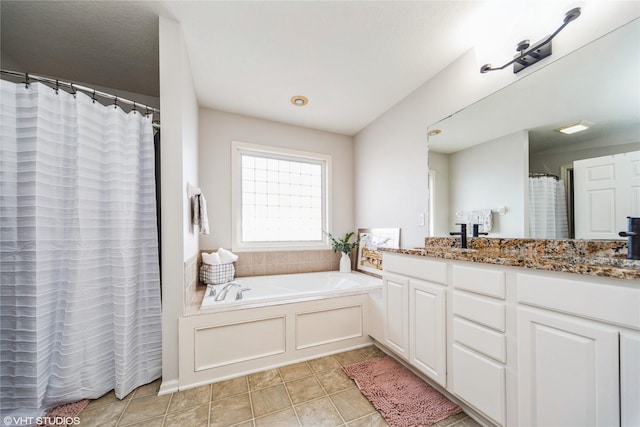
[527, 56]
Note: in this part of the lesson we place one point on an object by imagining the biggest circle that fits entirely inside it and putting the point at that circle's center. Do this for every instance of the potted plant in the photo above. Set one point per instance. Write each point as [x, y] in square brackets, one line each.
[344, 246]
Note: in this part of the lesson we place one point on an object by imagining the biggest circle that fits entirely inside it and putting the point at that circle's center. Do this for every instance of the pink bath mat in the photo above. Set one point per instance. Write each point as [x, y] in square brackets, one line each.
[64, 415]
[402, 398]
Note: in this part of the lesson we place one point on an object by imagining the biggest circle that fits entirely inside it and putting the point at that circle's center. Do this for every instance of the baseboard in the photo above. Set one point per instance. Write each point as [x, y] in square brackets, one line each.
[168, 387]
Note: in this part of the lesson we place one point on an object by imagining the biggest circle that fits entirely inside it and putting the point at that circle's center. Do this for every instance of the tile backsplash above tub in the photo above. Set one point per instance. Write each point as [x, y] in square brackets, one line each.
[262, 263]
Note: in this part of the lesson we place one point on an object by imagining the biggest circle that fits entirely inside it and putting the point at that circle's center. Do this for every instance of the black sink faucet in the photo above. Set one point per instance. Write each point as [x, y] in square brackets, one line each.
[633, 233]
[475, 231]
[462, 233]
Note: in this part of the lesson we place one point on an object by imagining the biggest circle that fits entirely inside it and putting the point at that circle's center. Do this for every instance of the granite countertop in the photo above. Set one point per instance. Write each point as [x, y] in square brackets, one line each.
[595, 258]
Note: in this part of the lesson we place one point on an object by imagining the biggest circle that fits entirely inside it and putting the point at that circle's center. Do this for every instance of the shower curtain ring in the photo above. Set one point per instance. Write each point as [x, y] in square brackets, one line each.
[26, 80]
[135, 108]
[115, 102]
[73, 90]
[93, 97]
[57, 86]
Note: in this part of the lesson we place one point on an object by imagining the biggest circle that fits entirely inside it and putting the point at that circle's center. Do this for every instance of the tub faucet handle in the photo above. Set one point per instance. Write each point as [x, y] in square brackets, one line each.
[239, 293]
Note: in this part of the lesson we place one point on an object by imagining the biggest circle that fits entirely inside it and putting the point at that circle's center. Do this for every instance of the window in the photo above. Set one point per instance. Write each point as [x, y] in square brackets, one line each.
[280, 197]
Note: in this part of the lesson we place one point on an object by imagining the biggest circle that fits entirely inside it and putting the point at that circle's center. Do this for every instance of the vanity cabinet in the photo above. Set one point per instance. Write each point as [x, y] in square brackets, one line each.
[479, 348]
[578, 351]
[630, 378]
[415, 313]
[568, 372]
[427, 328]
[395, 290]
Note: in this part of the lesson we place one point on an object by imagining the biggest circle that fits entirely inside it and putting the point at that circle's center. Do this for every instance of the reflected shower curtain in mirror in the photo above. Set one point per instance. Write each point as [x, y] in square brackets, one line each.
[80, 294]
[547, 208]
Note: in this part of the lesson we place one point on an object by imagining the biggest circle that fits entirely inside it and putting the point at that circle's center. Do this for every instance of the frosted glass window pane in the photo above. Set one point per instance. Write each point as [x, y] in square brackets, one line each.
[282, 199]
[248, 162]
[261, 163]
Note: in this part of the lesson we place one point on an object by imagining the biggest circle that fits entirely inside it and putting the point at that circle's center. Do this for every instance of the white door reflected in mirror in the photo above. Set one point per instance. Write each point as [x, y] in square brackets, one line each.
[606, 192]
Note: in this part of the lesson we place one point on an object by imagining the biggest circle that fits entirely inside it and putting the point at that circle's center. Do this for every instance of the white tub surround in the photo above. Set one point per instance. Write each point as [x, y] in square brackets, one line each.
[288, 319]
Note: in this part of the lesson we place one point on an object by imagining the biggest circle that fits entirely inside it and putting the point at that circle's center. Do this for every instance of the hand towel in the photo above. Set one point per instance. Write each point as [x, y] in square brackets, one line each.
[211, 259]
[485, 219]
[482, 217]
[199, 217]
[226, 256]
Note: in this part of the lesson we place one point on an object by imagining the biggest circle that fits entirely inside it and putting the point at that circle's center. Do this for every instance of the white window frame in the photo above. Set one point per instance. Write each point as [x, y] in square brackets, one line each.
[237, 149]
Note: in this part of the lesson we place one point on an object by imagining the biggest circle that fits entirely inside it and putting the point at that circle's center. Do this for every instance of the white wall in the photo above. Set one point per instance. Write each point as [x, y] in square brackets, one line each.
[491, 175]
[550, 161]
[439, 165]
[179, 165]
[391, 153]
[218, 129]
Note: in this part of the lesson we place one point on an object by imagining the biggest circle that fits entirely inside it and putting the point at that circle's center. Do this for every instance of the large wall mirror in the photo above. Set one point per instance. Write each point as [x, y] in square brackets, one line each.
[499, 154]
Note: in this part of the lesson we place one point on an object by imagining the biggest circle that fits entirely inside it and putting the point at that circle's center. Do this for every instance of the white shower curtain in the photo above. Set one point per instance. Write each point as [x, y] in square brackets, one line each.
[547, 208]
[80, 292]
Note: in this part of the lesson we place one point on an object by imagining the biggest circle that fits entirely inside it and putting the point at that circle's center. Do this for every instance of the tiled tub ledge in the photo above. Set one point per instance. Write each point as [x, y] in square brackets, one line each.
[587, 257]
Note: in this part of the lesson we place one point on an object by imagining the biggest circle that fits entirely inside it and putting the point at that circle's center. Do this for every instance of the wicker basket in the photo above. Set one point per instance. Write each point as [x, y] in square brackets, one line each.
[217, 274]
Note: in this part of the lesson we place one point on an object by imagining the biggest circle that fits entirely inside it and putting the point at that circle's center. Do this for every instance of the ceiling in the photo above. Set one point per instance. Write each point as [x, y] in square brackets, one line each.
[353, 60]
[110, 44]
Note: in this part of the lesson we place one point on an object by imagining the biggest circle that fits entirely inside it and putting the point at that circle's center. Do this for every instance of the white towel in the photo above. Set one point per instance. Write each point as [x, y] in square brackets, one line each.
[211, 259]
[482, 217]
[485, 219]
[199, 217]
[226, 256]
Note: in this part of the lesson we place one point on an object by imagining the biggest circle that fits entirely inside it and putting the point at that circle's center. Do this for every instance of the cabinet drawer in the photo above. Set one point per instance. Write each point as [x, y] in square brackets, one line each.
[415, 266]
[480, 310]
[481, 382]
[483, 340]
[480, 281]
[599, 301]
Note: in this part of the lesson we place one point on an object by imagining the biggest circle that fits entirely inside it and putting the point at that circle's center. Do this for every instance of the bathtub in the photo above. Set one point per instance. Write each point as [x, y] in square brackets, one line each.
[283, 319]
[290, 287]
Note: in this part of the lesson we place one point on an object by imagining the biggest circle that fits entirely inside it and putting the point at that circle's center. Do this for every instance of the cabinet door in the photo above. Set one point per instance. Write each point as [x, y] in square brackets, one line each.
[396, 313]
[427, 326]
[480, 381]
[630, 379]
[567, 371]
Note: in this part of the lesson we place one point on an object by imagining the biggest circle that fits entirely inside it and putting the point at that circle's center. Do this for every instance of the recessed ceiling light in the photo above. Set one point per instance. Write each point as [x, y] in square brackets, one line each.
[299, 101]
[434, 132]
[575, 127]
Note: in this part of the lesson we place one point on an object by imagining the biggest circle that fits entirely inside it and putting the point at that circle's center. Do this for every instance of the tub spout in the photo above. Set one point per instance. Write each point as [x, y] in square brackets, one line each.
[225, 290]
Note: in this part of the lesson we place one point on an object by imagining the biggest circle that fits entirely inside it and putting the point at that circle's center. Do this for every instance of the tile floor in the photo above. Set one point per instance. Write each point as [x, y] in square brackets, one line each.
[313, 393]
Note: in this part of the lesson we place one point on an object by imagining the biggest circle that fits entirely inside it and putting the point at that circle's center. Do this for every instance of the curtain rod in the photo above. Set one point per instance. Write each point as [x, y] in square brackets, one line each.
[542, 175]
[76, 87]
